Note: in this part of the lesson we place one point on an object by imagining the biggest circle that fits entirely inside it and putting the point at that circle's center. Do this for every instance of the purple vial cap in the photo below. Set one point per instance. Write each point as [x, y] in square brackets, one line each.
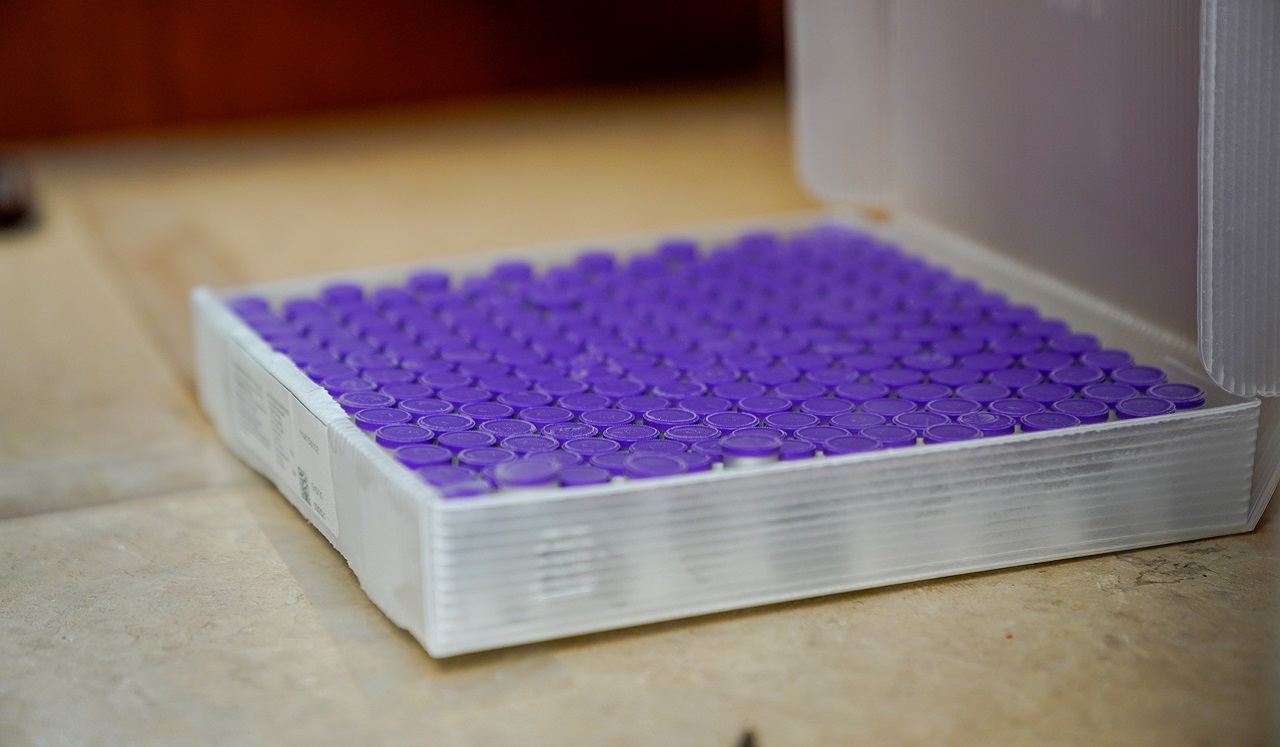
[338, 386]
[763, 405]
[921, 394]
[888, 407]
[918, 421]
[569, 431]
[1143, 406]
[402, 392]
[444, 379]
[1075, 344]
[727, 422]
[1077, 377]
[959, 346]
[641, 403]
[583, 402]
[584, 474]
[465, 489]
[1109, 394]
[955, 377]
[826, 408]
[799, 391]
[950, 433]
[1183, 396]
[428, 281]
[953, 407]
[445, 474]
[795, 448]
[1015, 408]
[395, 436]
[482, 412]
[1108, 360]
[859, 392]
[373, 418]
[500, 385]
[896, 378]
[668, 417]
[560, 386]
[618, 388]
[983, 394]
[457, 441]
[713, 375]
[462, 395]
[560, 458]
[1086, 410]
[1047, 421]
[777, 433]
[658, 446]
[678, 390]
[526, 473]
[754, 445]
[645, 466]
[694, 461]
[841, 445]
[736, 391]
[928, 362]
[690, 434]
[1138, 377]
[425, 455]
[504, 427]
[519, 401]
[1045, 328]
[710, 447]
[614, 463]
[831, 377]
[630, 434]
[589, 447]
[485, 456]
[790, 422]
[528, 444]
[1046, 361]
[990, 423]
[341, 293]
[987, 362]
[1045, 394]
[819, 434]
[447, 422]
[1018, 345]
[606, 418]
[856, 421]
[331, 370]
[863, 363]
[705, 405]
[891, 436]
[774, 375]
[541, 416]
[384, 376]
[1014, 378]
[353, 402]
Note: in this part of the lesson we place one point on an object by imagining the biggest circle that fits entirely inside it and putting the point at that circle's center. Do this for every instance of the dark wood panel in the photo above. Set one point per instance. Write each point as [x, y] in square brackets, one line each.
[71, 66]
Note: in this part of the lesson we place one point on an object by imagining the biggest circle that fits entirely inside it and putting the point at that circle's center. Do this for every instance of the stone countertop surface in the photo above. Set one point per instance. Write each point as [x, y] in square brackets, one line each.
[155, 591]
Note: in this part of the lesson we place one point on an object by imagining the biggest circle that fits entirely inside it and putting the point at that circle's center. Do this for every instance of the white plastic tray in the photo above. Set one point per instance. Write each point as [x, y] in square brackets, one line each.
[512, 568]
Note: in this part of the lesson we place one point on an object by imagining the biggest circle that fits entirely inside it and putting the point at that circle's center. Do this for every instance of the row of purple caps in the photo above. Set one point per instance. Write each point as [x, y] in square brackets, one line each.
[936, 354]
[992, 320]
[469, 462]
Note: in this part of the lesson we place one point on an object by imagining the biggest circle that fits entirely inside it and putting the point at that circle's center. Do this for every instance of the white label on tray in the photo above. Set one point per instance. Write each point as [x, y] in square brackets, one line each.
[261, 415]
[311, 455]
[288, 442]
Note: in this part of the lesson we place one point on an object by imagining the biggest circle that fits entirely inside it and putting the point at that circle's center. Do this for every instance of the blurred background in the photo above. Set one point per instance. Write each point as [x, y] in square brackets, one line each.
[76, 67]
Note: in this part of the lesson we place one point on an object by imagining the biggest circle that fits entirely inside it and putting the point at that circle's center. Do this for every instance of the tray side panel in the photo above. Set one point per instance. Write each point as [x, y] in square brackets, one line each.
[544, 567]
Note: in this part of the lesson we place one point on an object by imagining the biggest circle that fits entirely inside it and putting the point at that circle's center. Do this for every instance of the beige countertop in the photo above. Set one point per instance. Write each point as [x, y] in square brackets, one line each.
[154, 591]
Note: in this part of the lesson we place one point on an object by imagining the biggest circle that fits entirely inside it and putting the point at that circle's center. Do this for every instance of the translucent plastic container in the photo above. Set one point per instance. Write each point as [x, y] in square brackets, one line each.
[528, 565]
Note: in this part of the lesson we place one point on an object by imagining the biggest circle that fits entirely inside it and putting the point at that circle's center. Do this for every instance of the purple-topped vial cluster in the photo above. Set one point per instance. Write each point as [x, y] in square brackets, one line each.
[826, 342]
